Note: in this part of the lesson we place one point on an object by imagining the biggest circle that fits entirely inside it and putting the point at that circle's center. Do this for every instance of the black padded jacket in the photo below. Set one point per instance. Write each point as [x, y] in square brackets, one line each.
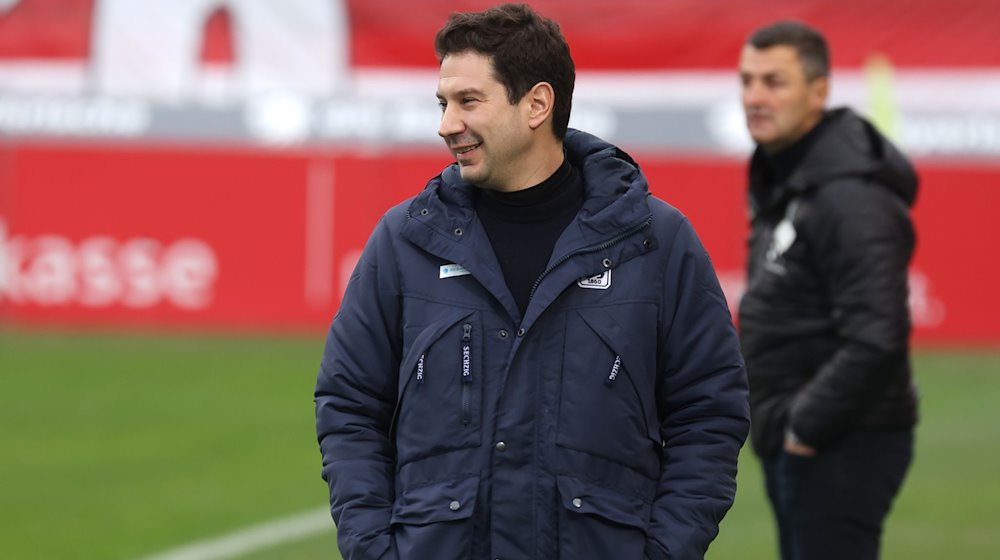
[824, 322]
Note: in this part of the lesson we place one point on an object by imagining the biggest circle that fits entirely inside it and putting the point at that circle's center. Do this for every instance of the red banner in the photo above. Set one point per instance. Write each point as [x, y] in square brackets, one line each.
[664, 35]
[259, 239]
[221, 162]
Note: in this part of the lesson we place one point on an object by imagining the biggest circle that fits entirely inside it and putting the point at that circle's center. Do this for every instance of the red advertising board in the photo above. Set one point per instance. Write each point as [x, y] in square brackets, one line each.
[237, 238]
[686, 33]
[220, 163]
[257, 239]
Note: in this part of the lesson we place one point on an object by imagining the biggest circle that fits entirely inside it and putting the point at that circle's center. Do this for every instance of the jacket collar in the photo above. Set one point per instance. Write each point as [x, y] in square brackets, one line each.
[843, 145]
[442, 220]
[615, 192]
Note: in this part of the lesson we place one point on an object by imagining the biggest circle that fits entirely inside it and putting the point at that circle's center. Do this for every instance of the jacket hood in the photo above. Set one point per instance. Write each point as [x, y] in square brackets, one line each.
[850, 146]
[614, 187]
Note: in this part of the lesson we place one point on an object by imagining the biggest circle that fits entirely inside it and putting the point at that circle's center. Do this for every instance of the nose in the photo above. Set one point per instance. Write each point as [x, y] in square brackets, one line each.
[753, 93]
[451, 123]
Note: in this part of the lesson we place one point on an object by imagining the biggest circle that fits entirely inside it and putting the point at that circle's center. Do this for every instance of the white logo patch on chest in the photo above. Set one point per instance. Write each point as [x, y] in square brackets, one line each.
[600, 281]
[452, 270]
[781, 240]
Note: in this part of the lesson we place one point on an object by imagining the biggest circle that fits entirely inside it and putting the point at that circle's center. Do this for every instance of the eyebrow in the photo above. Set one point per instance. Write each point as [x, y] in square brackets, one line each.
[463, 92]
[765, 74]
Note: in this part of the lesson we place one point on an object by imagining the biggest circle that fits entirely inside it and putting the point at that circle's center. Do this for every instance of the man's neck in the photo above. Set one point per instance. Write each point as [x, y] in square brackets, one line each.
[776, 148]
[540, 165]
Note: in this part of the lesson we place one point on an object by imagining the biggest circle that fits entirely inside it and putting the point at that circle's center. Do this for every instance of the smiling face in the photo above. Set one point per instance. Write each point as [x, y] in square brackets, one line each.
[781, 104]
[492, 140]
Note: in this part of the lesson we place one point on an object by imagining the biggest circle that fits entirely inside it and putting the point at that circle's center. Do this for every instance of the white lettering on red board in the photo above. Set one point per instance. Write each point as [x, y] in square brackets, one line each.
[101, 271]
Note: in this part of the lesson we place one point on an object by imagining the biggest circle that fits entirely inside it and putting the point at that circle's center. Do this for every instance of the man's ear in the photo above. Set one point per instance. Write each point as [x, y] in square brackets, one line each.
[540, 101]
[819, 90]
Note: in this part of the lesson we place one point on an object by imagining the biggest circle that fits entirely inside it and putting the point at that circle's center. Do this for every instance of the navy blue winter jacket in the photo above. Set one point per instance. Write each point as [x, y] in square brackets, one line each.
[604, 424]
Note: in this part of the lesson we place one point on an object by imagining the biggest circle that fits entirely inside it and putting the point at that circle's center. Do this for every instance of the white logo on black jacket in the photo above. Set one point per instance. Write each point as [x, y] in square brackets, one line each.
[782, 238]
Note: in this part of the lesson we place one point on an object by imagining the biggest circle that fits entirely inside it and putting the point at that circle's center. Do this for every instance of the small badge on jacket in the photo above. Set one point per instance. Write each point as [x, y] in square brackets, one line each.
[451, 270]
[600, 281]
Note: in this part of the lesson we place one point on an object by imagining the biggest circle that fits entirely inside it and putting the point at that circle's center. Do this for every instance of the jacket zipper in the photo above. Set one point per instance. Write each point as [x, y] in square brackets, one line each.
[599, 247]
[466, 373]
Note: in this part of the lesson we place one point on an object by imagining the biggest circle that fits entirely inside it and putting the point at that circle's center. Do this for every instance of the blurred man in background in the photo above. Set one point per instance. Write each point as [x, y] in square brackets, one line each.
[533, 358]
[824, 324]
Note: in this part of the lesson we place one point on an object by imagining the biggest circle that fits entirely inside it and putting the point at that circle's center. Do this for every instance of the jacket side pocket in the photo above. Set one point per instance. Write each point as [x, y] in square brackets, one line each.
[600, 523]
[435, 521]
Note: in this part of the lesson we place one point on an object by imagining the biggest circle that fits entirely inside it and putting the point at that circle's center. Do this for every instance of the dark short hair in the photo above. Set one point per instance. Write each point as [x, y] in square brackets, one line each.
[807, 42]
[525, 49]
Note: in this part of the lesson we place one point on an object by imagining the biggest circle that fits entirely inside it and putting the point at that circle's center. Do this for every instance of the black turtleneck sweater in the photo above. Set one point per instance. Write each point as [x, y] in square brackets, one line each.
[523, 226]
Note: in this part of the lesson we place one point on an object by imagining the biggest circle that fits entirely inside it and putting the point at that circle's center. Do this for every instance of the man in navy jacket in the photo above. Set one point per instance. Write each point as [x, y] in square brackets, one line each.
[533, 358]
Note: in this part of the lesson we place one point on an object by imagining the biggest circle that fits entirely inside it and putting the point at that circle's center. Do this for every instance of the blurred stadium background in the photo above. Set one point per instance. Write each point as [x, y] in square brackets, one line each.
[186, 184]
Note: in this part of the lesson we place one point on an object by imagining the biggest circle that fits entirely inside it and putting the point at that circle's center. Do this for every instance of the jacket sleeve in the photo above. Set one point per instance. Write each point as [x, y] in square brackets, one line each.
[702, 405]
[863, 238]
[355, 398]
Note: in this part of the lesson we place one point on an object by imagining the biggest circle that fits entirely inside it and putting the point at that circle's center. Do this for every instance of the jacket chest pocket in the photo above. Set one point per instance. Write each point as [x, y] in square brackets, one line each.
[439, 407]
[607, 401]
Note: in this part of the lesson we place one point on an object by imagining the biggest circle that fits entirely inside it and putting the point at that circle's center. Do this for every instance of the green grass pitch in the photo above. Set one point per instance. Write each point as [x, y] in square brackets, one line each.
[118, 446]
